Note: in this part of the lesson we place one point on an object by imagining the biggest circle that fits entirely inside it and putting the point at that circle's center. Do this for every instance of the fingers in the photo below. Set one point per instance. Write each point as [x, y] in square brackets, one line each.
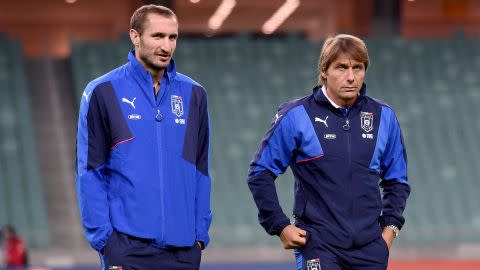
[301, 232]
[296, 243]
[301, 241]
[293, 237]
[294, 240]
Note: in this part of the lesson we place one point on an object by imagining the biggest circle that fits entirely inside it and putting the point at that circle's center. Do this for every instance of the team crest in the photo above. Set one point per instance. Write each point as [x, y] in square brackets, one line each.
[177, 105]
[313, 264]
[366, 120]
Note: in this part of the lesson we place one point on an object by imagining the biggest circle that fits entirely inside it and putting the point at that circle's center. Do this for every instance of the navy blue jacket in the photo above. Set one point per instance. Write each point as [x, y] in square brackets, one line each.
[142, 162]
[337, 161]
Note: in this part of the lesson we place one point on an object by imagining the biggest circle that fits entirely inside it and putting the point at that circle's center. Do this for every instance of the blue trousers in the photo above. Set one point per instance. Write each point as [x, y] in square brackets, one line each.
[318, 255]
[124, 252]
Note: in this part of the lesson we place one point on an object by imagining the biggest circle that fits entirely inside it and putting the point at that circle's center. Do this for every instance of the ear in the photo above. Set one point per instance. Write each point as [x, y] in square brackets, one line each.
[323, 74]
[134, 37]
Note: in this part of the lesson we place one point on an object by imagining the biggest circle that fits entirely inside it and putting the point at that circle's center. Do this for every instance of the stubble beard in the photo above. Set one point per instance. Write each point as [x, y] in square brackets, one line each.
[150, 63]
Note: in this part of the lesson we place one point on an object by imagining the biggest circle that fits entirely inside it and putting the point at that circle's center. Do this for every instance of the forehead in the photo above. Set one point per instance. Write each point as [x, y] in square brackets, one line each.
[156, 23]
[347, 59]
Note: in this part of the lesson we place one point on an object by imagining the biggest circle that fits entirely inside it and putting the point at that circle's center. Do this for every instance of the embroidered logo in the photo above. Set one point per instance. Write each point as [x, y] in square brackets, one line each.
[366, 121]
[180, 121]
[330, 136]
[115, 267]
[134, 116]
[313, 264]
[129, 102]
[367, 136]
[318, 119]
[177, 105]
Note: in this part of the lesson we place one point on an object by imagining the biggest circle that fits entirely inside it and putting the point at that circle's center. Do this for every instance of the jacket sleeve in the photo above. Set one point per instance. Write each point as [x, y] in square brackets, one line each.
[394, 177]
[93, 145]
[203, 213]
[273, 156]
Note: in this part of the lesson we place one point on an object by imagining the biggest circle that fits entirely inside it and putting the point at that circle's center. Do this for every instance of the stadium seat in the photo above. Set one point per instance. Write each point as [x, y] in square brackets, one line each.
[21, 202]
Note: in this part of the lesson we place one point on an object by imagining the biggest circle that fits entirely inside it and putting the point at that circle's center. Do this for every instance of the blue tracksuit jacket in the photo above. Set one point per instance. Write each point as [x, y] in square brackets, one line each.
[142, 162]
[337, 161]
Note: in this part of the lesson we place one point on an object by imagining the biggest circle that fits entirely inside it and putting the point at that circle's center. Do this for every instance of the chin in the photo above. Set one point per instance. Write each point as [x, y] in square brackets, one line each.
[161, 65]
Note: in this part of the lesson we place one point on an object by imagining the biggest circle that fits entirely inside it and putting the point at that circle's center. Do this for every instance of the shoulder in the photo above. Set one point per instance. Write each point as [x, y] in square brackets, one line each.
[387, 113]
[380, 103]
[293, 106]
[103, 84]
[198, 91]
[292, 111]
[182, 78]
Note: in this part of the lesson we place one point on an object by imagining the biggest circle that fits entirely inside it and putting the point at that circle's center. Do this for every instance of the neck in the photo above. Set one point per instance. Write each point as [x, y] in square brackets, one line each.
[156, 78]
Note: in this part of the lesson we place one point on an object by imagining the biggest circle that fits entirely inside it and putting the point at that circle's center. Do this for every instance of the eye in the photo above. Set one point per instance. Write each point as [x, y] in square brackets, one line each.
[358, 67]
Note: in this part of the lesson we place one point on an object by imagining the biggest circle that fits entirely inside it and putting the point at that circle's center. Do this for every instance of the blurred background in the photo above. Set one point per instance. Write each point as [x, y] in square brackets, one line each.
[251, 56]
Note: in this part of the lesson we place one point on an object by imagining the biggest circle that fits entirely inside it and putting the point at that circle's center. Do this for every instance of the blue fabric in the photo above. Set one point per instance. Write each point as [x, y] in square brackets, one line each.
[336, 169]
[140, 182]
[298, 259]
[389, 158]
[382, 139]
[293, 133]
[274, 154]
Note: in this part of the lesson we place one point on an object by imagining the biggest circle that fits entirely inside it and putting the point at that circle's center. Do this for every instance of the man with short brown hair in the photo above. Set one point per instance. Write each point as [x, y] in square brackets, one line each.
[143, 182]
[339, 143]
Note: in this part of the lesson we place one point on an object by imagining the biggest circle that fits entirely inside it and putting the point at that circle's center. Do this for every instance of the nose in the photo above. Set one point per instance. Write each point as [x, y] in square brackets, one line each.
[166, 45]
[350, 75]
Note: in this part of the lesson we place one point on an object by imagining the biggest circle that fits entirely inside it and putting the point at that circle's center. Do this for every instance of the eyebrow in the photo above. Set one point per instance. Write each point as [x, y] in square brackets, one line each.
[347, 63]
[164, 34]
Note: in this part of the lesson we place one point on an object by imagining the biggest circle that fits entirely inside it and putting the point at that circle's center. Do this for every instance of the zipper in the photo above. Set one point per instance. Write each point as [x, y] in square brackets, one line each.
[158, 133]
[346, 128]
[159, 171]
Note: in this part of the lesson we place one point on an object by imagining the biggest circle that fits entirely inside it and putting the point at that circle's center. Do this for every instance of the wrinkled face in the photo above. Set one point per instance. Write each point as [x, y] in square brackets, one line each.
[155, 46]
[344, 79]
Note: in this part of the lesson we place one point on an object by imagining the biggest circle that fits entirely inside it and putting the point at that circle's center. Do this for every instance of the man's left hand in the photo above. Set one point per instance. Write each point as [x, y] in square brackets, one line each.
[387, 234]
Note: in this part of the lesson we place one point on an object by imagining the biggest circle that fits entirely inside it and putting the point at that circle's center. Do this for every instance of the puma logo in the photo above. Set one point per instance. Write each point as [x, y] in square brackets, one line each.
[129, 102]
[85, 95]
[277, 116]
[318, 119]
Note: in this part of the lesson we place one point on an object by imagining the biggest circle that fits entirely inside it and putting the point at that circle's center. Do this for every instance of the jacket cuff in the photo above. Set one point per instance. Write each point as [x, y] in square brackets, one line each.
[278, 227]
[203, 225]
[99, 239]
[390, 220]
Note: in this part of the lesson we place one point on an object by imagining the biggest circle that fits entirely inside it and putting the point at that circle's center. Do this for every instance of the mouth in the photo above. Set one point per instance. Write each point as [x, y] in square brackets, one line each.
[349, 88]
[163, 57]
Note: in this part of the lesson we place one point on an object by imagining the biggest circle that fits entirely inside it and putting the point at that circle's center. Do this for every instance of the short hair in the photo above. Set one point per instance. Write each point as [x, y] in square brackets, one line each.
[342, 43]
[137, 22]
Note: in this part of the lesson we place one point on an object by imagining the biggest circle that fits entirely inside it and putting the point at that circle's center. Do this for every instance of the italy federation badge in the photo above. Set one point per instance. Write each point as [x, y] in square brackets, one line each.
[366, 119]
[313, 264]
[177, 105]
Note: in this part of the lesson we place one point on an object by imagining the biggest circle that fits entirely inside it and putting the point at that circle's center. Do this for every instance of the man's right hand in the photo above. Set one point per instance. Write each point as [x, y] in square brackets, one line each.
[293, 237]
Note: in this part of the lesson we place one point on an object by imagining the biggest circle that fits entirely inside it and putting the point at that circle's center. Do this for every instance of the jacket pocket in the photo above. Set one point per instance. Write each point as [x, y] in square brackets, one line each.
[300, 201]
